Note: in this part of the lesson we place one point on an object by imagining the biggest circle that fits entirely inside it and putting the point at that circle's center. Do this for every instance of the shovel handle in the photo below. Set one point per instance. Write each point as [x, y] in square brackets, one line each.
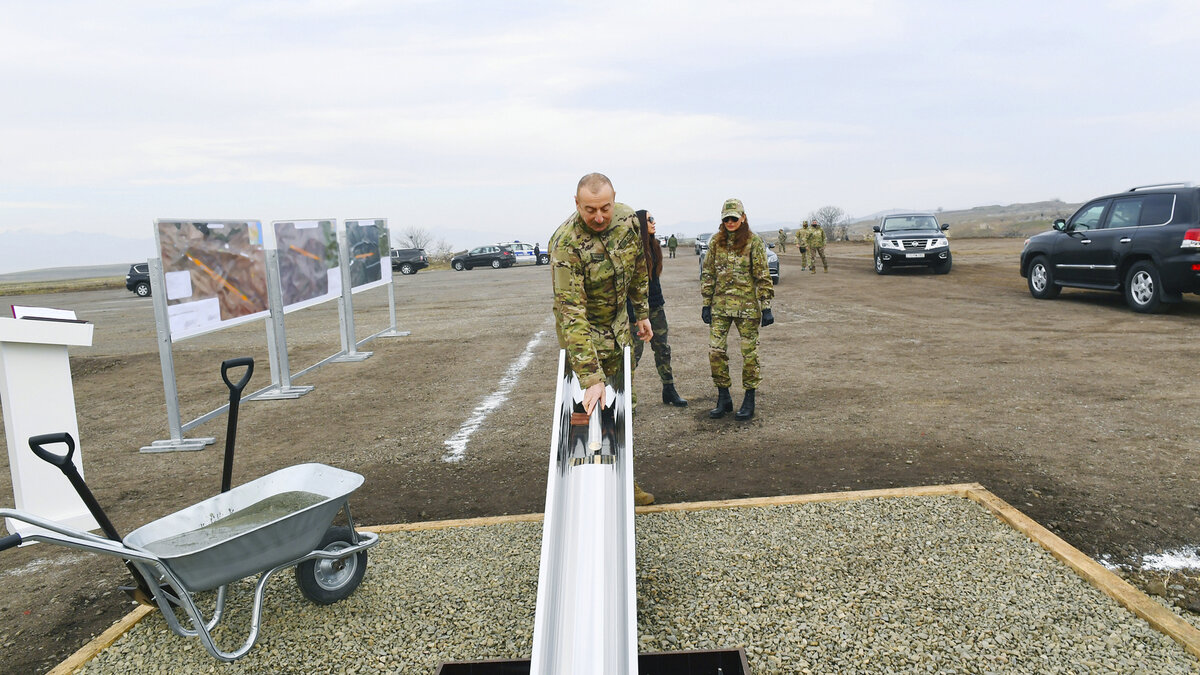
[10, 541]
[246, 361]
[37, 445]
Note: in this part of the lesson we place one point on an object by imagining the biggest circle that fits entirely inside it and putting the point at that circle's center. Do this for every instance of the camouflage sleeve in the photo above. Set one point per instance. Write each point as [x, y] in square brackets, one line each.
[570, 313]
[708, 277]
[639, 286]
[763, 287]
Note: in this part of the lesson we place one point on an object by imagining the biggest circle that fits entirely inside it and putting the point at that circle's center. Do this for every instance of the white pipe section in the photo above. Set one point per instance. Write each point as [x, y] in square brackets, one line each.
[586, 617]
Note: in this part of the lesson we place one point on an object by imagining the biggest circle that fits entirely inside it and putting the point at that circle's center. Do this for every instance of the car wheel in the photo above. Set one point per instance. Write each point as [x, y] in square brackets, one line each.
[544, 259]
[942, 267]
[880, 266]
[1143, 288]
[458, 265]
[1041, 280]
[495, 264]
[407, 268]
[142, 289]
[775, 281]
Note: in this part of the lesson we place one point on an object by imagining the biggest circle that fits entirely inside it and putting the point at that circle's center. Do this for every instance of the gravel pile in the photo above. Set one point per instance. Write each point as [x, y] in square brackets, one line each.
[923, 584]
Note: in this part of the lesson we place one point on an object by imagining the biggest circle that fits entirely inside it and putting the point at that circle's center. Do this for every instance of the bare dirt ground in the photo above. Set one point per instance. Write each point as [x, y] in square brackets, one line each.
[1077, 411]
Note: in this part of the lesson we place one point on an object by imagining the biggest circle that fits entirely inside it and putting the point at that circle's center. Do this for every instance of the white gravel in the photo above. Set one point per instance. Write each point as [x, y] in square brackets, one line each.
[921, 584]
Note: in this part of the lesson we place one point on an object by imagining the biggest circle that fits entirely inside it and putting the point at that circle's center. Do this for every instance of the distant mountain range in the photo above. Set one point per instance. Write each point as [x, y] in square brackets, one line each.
[34, 250]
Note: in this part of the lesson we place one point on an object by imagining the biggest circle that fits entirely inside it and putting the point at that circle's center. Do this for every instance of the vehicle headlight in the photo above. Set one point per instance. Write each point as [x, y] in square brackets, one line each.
[940, 242]
[890, 243]
[771, 257]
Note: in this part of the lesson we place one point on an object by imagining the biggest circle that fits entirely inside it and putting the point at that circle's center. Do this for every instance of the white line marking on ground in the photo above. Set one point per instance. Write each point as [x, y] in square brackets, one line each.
[456, 445]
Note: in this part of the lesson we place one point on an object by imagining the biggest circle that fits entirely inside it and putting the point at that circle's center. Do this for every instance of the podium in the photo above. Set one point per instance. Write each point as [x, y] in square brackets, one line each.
[38, 398]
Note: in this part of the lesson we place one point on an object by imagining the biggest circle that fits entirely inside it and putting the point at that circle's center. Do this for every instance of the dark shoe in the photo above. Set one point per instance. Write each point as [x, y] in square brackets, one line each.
[747, 409]
[724, 404]
[671, 396]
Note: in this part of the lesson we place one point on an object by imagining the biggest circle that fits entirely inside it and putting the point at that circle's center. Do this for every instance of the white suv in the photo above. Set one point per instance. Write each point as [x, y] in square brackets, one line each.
[524, 253]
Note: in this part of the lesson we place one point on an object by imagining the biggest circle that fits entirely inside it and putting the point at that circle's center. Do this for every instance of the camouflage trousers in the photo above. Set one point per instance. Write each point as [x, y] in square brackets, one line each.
[671, 252]
[658, 343]
[782, 246]
[804, 259]
[718, 353]
[611, 363]
[818, 251]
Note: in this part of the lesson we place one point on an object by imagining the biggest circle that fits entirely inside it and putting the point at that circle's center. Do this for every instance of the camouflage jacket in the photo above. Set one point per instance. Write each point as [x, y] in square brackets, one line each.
[736, 284]
[593, 274]
[816, 237]
[783, 236]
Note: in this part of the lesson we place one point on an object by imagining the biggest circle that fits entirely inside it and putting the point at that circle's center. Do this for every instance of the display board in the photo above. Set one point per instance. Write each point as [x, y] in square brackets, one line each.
[309, 270]
[369, 253]
[214, 273]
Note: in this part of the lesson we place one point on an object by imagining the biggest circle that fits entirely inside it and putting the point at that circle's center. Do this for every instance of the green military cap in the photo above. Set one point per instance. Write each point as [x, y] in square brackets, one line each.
[732, 207]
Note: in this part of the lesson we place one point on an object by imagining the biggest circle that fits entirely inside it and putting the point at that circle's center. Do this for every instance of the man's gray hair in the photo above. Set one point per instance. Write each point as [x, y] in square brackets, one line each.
[594, 182]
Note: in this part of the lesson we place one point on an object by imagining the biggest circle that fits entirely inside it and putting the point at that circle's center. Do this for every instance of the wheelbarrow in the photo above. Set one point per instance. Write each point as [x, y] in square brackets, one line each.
[281, 520]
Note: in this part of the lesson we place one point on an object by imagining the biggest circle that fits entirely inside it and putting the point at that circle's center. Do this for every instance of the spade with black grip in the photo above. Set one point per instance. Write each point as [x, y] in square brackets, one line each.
[37, 444]
[235, 397]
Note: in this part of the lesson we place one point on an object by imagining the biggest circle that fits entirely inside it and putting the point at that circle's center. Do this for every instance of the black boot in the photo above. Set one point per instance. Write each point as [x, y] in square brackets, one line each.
[671, 396]
[724, 403]
[747, 409]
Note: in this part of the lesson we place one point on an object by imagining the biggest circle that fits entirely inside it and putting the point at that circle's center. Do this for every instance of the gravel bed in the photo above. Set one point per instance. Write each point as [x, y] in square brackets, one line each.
[922, 584]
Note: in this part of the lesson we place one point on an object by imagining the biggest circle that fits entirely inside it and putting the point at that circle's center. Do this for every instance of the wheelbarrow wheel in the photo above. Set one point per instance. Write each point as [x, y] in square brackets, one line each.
[327, 581]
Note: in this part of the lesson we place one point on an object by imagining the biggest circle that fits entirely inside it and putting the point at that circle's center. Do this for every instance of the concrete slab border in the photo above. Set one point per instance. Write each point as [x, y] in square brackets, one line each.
[1162, 619]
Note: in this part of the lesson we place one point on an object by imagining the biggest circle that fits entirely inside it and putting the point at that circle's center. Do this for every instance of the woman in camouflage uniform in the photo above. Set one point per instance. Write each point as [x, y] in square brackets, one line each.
[736, 288]
[658, 316]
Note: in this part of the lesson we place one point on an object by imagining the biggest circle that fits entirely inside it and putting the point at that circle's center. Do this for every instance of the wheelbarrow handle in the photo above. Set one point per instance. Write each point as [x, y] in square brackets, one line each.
[10, 541]
[240, 361]
[37, 445]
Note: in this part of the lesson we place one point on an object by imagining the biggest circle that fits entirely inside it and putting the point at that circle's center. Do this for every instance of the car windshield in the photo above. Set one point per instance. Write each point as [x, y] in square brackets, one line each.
[703, 237]
[908, 223]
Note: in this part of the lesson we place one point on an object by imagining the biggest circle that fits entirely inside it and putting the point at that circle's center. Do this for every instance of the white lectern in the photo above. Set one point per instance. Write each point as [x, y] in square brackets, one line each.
[38, 398]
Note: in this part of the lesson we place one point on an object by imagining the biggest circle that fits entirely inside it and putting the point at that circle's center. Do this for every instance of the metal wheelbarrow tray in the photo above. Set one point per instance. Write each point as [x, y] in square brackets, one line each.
[227, 554]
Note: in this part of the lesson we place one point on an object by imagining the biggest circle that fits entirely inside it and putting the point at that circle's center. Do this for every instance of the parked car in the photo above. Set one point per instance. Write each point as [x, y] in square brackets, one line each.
[702, 242]
[772, 263]
[494, 256]
[1144, 243]
[911, 239]
[137, 279]
[409, 260]
[524, 253]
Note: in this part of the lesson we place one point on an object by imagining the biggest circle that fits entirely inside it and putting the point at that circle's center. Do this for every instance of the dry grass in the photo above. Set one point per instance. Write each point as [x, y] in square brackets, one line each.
[60, 286]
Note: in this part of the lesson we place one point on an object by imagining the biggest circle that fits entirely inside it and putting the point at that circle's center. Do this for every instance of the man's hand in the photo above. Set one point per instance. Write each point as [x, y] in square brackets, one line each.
[644, 331]
[706, 314]
[593, 395]
[767, 317]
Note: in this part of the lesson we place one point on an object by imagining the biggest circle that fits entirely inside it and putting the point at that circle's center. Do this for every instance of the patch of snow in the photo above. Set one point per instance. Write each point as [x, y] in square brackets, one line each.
[1187, 557]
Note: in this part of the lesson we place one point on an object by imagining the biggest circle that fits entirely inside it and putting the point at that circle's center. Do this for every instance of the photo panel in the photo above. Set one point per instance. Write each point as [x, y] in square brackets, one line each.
[370, 253]
[309, 269]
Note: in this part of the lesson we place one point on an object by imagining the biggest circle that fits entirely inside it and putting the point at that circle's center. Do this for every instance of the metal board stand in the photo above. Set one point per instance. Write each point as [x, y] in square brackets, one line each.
[281, 377]
[176, 443]
[586, 617]
[391, 330]
[349, 353]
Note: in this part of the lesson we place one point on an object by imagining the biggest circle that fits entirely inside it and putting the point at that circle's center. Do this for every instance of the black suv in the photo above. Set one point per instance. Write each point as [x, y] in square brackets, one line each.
[911, 240]
[409, 260]
[1144, 242]
[137, 279]
[495, 256]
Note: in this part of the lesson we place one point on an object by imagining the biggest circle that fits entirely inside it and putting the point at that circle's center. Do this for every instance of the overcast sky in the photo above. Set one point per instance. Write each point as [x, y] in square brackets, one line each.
[479, 117]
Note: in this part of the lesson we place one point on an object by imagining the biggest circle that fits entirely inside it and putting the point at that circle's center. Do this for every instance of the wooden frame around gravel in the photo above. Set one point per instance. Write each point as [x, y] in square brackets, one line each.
[1093, 572]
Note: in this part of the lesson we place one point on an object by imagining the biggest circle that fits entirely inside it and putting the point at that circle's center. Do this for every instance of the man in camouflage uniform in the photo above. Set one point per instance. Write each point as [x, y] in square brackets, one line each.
[672, 244]
[783, 237]
[802, 244]
[816, 247]
[736, 289]
[597, 263]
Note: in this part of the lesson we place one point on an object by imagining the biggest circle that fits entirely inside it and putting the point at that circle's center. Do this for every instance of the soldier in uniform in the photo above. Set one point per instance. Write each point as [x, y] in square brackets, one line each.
[816, 247]
[658, 315]
[735, 285]
[672, 244]
[782, 240]
[802, 244]
[598, 263]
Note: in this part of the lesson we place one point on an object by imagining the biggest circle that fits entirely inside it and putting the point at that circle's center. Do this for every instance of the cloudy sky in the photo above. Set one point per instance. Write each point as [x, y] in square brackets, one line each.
[475, 119]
